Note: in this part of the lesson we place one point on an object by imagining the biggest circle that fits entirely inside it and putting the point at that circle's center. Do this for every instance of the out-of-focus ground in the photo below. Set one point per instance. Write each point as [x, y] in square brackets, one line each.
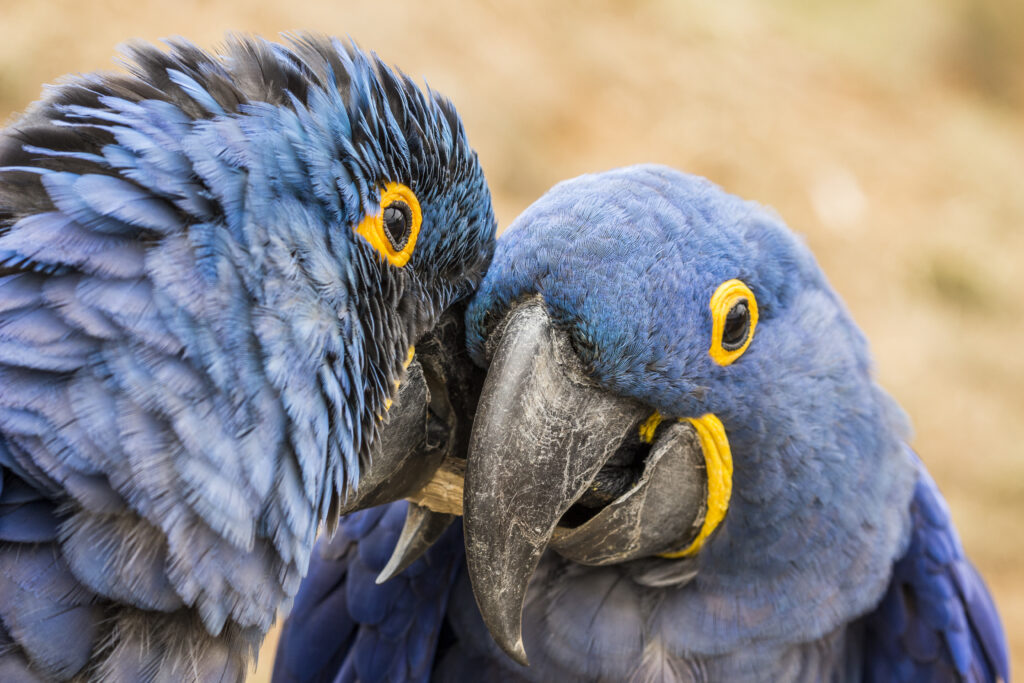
[891, 134]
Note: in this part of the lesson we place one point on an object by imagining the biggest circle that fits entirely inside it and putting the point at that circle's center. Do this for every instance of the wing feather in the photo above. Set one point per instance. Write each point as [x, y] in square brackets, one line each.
[937, 621]
[346, 627]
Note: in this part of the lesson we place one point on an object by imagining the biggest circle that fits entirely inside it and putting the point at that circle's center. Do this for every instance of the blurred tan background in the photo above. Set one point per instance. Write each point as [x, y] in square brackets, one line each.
[891, 134]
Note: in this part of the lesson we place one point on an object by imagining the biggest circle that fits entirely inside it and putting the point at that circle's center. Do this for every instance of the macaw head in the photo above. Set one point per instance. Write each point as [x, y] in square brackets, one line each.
[674, 387]
[380, 226]
[418, 246]
[302, 216]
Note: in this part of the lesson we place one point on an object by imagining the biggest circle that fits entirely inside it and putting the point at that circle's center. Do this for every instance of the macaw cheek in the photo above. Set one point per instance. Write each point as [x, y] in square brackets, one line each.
[399, 462]
[427, 424]
[661, 513]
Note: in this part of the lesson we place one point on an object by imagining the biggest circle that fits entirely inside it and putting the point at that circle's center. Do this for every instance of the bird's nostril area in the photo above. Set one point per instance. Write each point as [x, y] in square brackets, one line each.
[438, 430]
[619, 475]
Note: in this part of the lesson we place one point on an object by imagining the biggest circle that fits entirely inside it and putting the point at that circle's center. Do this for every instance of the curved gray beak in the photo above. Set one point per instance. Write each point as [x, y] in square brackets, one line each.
[401, 459]
[556, 461]
[553, 461]
[540, 437]
[428, 422]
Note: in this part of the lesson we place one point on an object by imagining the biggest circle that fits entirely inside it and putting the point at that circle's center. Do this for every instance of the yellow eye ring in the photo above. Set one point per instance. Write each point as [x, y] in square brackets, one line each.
[374, 230]
[730, 336]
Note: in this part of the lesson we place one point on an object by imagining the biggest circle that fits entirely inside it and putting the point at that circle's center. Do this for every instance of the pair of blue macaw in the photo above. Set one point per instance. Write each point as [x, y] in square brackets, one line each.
[247, 294]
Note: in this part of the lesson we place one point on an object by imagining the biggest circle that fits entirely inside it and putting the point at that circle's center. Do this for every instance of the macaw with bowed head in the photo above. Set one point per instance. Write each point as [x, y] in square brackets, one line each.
[681, 468]
[217, 273]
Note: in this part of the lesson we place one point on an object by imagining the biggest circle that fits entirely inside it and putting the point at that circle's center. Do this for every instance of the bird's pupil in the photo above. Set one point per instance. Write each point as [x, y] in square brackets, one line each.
[397, 221]
[737, 323]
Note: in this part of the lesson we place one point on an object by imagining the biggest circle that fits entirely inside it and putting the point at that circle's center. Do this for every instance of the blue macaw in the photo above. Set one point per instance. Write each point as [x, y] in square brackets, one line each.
[217, 273]
[680, 468]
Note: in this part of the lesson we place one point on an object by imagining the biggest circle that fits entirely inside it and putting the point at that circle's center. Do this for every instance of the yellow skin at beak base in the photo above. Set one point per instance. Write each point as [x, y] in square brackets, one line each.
[718, 462]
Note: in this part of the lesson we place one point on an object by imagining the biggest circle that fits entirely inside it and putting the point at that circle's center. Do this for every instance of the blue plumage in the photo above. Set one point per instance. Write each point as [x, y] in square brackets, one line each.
[196, 345]
[937, 620]
[630, 259]
[345, 627]
[836, 559]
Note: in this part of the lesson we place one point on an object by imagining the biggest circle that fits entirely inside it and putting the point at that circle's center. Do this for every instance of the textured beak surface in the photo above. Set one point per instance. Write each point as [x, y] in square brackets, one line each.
[662, 510]
[542, 433]
[428, 421]
[400, 460]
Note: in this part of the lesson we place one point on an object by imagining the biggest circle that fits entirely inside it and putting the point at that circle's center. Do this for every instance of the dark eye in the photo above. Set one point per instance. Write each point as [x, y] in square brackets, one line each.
[397, 224]
[733, 321]
[737, 325]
